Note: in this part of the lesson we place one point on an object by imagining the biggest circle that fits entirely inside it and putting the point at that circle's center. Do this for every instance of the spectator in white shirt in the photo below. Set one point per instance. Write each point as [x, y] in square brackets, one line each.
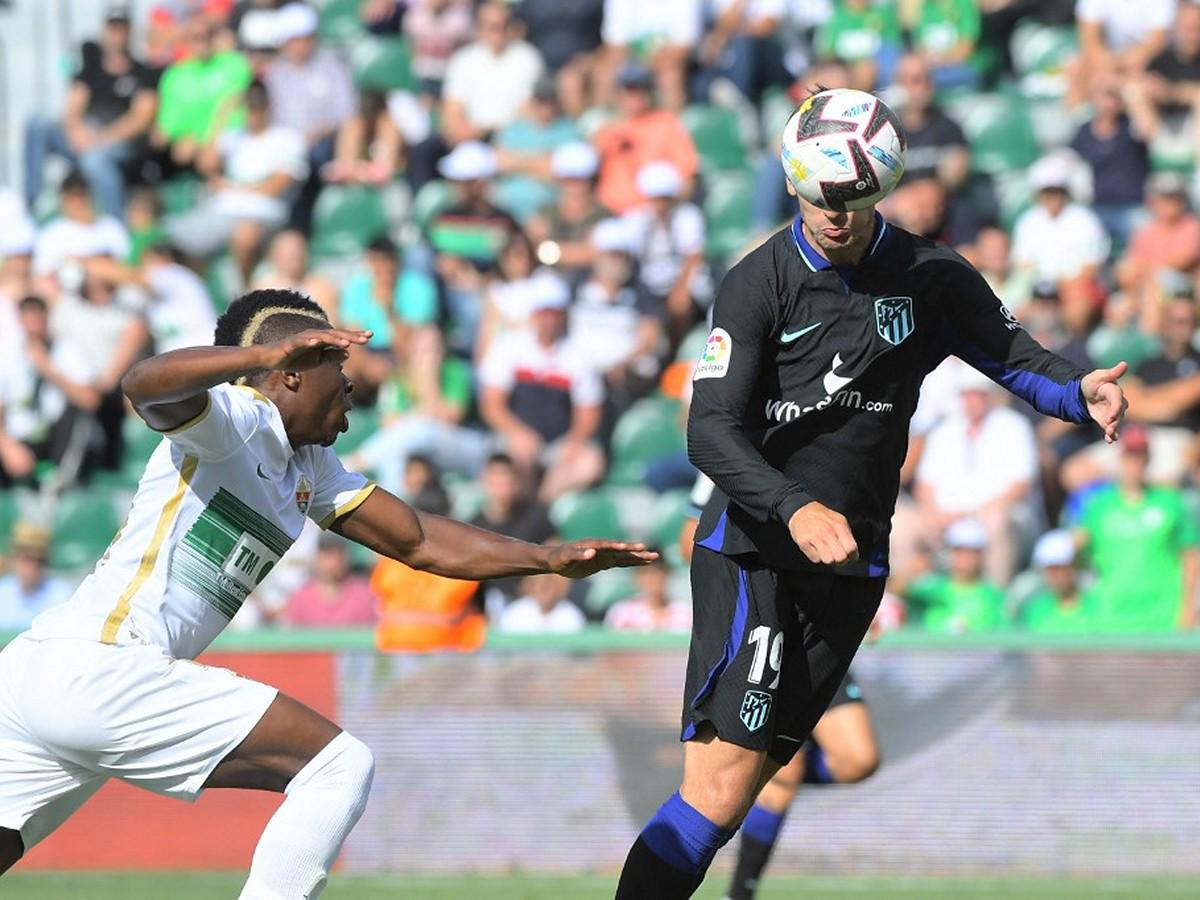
[488, 81]
[669, 235]
[1119, 36]
[543, 608]
[1061, 241]
[253, 175]
[78, 232]
[673, 29]
[544, 400]
[28, 589]
[981, 464]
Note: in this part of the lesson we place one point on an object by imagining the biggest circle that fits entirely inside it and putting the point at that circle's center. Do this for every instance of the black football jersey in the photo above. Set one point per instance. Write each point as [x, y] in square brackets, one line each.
[811, 374]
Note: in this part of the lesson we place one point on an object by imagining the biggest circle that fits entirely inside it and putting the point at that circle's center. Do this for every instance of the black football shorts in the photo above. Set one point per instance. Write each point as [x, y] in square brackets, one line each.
[770, 649]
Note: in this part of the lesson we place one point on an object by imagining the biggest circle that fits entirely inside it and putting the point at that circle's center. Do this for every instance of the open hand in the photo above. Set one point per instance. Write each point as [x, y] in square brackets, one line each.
[1105, 400]
[580, 559]
[311, 348]
[823, 535]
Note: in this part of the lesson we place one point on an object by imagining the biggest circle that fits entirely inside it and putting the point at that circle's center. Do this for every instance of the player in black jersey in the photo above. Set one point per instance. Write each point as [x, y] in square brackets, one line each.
[800, 415]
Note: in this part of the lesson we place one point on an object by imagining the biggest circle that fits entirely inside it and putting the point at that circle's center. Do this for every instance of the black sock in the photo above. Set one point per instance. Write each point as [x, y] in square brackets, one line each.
[646, 876]
[752, 859]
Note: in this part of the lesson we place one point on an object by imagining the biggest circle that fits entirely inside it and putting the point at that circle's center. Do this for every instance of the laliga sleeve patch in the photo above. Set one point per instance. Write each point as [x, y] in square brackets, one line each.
[714, 361]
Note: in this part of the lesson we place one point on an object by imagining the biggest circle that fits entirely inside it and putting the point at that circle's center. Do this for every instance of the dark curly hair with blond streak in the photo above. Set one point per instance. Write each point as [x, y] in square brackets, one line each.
[266, 315]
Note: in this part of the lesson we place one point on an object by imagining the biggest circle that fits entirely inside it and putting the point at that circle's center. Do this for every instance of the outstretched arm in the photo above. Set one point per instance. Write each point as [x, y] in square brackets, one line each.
[453, 549]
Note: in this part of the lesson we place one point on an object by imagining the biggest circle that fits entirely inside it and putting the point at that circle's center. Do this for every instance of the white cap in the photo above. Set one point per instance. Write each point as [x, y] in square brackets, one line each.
[296, 20]
[469, 161]
[613, 236]
[1052, 171]
[1054, 548]
[971, 379]
[575, 159]
[966, 534]
[262, 29]
[659, 179]
[548, 291]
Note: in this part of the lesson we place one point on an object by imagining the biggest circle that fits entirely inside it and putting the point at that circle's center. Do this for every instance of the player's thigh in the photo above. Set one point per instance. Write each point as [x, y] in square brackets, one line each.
[721, 779]
[848, 741]
[288, 735]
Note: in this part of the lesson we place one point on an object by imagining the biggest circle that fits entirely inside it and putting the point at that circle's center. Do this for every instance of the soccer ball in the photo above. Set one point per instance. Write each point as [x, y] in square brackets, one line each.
[843, 149]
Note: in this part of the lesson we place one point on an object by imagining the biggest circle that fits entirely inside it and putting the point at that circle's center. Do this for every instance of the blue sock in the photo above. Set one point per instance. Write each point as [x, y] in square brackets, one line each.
[815, 769]
[762, 825]
[682, 837]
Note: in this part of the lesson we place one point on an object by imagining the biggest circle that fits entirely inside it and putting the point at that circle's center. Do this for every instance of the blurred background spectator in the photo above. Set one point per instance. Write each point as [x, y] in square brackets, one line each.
[334, 596]
[530, 205]
[29, 588]
[542, 608]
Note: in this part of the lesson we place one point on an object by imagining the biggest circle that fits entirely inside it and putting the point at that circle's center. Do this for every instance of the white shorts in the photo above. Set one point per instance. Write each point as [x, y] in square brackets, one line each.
[74, 713]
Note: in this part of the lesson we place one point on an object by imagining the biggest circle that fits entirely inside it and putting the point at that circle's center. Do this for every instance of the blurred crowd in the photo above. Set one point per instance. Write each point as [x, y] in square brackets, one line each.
[530, 205]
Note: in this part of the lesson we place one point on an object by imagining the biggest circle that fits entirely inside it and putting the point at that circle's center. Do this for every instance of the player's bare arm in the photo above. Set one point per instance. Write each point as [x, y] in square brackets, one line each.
[169, 390]
[453, 549]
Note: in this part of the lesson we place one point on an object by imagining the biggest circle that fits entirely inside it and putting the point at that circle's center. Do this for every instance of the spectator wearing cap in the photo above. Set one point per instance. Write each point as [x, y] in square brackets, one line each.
[1118, 36]
[1114, 145]
[333, 597]
[312, 94]
[981, 463]
[640, 134]
[78, 231]
[661, 34]
[961, 599]
[524, 149]
[567, 35]
[436, 29]
[668, 237]
[423, 405]
[742, 46]
[1060, 240]
[198, 96]
[1059, 604]
[490, 80]
[110, 107]
[47, 384]
[1144, 546]
[29, 589]
[1168, 243]
[253, 174]
[866, 37]
[622, 319]
[544, 400]
[369, 146]
[562, 230]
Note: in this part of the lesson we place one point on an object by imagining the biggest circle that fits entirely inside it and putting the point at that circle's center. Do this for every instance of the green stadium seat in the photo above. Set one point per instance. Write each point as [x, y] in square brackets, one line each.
[670, 511]
[648, 430]
[340, 22]
[85, 521]
[346, 219]
[10, 513]
[586, 514]
[777, 108]
[433, 197]
[383, 64]
[714, 130]
[1042, 50]
[607, 588]
[727, 212]
[999, 130]
[179, 194]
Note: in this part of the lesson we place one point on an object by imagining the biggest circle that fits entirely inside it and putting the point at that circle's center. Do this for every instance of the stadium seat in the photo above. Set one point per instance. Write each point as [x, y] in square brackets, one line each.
[179, 194]
[714, 130]
[85, 521]
[383, 64]
[346, 219]
[999, 131]
[670, 511]
[727, 212]
[648, 430]
[10, 512]
[340, 22]
[586, 514]
[433, 197]
[1039, 55]
[607, 588]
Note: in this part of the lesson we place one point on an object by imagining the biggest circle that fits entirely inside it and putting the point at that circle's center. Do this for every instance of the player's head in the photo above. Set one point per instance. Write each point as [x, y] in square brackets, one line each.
[313, 402]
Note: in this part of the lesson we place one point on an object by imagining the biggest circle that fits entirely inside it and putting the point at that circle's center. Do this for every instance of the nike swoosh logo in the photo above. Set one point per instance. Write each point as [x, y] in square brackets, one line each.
[262, 474]
[788, 336]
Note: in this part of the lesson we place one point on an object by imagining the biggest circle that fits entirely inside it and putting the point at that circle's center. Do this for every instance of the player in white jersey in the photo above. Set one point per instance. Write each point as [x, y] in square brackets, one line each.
[105, 687]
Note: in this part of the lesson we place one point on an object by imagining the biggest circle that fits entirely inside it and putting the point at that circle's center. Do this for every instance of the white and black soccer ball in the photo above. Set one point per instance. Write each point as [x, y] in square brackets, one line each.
[843, 149]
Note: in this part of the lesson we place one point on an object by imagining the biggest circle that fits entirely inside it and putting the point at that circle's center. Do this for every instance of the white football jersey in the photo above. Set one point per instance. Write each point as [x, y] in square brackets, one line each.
[221, 500]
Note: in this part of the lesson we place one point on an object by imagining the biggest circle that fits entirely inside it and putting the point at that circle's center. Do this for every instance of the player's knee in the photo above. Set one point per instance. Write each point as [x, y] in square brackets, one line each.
[345, 769]
[359, 766]
[858, 764]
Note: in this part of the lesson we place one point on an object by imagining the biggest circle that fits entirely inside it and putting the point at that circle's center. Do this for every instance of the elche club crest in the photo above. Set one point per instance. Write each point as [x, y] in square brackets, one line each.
[303, 494]
[894, 318]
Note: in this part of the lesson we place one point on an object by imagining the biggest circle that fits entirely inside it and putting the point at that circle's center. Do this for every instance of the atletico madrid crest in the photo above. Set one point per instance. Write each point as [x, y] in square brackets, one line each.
[894, 318]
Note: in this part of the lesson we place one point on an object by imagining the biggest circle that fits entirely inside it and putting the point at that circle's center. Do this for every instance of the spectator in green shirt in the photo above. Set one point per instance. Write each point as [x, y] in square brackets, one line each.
[865, 36]
[945, 33]
[1059, 605]
[198, 96]
[958, 600]
[1143, 543]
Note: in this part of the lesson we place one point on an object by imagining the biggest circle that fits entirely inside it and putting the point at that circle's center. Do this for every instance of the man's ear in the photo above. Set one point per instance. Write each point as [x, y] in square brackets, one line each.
[290, 380]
